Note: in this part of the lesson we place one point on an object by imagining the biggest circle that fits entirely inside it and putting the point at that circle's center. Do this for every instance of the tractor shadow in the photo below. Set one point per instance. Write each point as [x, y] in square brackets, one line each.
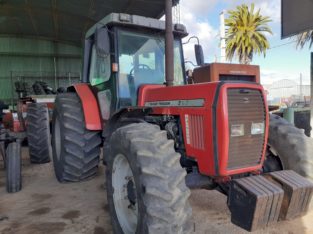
[211, 215]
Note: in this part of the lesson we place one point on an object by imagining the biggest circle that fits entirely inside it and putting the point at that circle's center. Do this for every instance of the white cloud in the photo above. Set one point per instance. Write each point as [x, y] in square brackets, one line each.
[271, 8]
[193, 14]
[199, 8]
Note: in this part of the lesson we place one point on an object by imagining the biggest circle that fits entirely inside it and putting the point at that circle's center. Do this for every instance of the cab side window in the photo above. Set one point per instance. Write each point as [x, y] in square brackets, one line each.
[100, 67]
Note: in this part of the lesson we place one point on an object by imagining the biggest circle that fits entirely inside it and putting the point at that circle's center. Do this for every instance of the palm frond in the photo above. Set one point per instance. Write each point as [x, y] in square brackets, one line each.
[245, 30]
[304, 38]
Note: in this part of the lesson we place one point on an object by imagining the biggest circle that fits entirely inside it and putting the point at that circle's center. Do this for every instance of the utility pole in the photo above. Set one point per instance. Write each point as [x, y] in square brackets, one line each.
[311, 100]
[222, 37]
[301, 88]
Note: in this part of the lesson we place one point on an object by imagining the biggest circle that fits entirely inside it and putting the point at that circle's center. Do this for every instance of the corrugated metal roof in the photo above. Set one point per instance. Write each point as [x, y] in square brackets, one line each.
[30, 60]
[67, 21]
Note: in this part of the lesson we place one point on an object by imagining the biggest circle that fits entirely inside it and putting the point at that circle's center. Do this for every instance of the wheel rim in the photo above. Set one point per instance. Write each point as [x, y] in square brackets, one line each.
[124, 196]
[57, 138]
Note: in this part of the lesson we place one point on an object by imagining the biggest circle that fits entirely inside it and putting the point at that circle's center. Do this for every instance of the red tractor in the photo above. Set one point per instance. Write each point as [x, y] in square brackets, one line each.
[161, 137]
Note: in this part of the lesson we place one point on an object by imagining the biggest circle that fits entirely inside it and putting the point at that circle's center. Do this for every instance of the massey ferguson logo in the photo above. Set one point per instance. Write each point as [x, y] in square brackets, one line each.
[246, 100]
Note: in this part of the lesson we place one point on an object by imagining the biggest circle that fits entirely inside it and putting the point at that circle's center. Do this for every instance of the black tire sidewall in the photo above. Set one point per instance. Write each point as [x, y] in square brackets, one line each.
[58, 163]
[38, 159]
[16, 168]
[79, 147]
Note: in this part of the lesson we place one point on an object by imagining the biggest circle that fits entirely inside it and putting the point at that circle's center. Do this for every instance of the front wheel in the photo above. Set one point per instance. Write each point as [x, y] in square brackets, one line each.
[146, 187]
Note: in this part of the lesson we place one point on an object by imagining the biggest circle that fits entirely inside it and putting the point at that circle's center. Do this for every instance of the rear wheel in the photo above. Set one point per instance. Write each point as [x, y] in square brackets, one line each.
[13, 168]
[75, 149]
[293, 148]
[38, 133]
[145, 182]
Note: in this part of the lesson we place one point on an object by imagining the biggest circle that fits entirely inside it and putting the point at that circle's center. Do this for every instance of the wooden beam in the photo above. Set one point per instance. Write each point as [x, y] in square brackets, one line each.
[44, 10]
[55, 18]
[40, 55]
[72, 42]
[15, 19]
[28, 9]
[87, 24]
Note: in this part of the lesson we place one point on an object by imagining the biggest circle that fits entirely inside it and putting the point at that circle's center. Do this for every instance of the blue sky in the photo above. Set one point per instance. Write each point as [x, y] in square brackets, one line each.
[282, 61]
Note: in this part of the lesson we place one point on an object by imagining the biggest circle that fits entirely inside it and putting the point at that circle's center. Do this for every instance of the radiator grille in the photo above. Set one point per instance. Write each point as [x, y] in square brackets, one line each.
[245, 106]
[196, 131]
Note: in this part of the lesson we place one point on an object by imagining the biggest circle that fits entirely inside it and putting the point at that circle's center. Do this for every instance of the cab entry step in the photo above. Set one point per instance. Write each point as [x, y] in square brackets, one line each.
[258, 201]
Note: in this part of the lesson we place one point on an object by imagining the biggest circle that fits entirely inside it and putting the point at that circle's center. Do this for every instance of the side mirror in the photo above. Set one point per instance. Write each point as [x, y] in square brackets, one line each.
[102, 41]
[199, 54]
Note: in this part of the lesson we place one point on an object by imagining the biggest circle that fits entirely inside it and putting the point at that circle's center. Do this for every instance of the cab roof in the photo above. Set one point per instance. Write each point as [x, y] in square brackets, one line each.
[135, 21]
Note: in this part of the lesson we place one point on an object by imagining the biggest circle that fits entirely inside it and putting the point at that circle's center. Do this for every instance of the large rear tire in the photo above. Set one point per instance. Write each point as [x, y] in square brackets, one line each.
[38, 133]
[75, 149]
[13, 168]
[292, 146]
[146, 187]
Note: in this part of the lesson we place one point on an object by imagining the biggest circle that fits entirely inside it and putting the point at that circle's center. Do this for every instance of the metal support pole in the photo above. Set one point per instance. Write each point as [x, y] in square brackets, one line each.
[12, 90]
[301, 88]
[69, 79]
[311, 98]
[55, 62]
[289, 115]
[222, 37]
[55, 73]
[169, 44]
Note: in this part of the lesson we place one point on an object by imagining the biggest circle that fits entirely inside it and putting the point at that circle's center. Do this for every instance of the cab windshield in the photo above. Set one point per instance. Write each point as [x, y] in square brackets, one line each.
[141, 61]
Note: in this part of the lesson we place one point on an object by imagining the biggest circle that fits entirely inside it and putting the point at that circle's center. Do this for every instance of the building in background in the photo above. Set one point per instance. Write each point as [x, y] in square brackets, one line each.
[287, 92]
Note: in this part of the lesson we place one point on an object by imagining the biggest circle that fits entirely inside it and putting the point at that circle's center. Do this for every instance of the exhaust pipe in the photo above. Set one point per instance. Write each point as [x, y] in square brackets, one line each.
[169, 44]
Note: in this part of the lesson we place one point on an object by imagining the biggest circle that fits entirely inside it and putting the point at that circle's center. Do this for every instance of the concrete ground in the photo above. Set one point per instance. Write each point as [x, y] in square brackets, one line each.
[45, 206]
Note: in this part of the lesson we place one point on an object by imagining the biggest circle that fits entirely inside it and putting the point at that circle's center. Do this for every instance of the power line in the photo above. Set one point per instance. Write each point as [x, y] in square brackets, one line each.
[287, 43]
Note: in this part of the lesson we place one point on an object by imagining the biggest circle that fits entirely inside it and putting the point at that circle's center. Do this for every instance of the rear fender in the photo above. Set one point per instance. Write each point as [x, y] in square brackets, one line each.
[90, 106]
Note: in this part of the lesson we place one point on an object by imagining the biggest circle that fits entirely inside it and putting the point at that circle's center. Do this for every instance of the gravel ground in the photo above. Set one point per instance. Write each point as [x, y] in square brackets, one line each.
[45, 206]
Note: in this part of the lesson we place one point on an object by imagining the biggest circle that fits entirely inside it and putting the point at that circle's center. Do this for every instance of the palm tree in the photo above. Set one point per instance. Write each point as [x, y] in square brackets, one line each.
[304, 38]
[245, 33]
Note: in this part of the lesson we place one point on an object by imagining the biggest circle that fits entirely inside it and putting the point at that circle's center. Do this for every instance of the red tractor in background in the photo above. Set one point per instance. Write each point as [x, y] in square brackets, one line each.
[32, 117]
[161, 137]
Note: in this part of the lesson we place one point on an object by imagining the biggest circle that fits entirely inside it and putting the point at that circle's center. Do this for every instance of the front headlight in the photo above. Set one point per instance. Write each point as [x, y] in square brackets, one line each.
[237, 130]
[257, 128]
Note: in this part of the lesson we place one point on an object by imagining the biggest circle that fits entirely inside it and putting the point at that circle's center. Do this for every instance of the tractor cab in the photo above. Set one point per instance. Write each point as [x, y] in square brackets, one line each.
[123, 52]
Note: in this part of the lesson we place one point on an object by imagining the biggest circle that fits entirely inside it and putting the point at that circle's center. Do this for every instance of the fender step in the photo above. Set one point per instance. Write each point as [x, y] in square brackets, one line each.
[258, 201]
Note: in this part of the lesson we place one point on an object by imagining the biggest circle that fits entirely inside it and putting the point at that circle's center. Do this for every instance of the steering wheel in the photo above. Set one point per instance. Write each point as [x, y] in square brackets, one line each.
[143, 66]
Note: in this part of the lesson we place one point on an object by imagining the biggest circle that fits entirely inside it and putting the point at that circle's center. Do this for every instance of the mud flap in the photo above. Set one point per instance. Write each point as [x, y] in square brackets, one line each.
[258, 201]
